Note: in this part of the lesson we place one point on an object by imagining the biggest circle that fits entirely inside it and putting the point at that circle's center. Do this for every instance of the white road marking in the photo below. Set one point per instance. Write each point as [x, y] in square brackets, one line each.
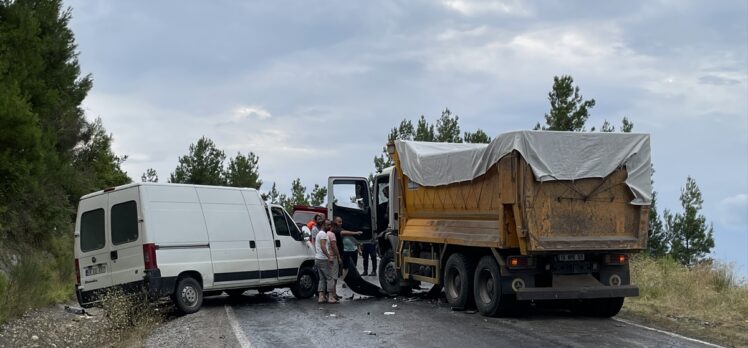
[672, 334]
[240, 336]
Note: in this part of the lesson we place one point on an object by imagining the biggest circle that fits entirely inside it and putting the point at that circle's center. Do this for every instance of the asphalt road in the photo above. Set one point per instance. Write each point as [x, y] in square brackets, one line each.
[280, 320]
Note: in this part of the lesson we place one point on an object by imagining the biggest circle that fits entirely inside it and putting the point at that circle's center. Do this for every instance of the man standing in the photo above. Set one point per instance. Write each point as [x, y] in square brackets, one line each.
[346, 241]
[334, 262]
[370, 251]
[323, 260]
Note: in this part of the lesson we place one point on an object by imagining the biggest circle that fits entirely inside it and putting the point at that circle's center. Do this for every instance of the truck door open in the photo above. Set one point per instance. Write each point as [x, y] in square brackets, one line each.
[349, 198]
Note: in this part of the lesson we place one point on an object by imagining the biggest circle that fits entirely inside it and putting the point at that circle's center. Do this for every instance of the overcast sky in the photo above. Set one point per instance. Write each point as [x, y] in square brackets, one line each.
[313, 87]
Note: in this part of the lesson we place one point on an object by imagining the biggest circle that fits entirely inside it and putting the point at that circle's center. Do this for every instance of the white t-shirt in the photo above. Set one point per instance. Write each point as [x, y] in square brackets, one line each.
[318, 254]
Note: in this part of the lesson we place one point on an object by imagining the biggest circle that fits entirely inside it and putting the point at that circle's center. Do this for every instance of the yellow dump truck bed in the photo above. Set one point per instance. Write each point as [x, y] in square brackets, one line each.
[509, 207]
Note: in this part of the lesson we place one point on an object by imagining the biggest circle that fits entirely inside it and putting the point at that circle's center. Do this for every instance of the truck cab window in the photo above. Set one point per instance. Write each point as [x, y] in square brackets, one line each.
[281, 225]
[351, 194]
[92, 230]
[124, 223]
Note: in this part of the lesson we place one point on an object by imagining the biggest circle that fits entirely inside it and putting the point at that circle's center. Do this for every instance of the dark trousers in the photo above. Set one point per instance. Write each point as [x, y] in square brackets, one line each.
[353, 256]
[370, 251]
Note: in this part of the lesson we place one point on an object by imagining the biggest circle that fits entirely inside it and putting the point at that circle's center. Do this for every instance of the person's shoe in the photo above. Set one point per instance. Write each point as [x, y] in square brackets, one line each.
[322, 299]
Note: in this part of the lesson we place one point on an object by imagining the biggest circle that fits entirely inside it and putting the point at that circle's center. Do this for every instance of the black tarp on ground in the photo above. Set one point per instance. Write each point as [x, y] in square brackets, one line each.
[357, 284]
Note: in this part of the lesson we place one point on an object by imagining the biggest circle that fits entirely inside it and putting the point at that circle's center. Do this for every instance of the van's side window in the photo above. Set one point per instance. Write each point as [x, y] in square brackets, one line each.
[124, 222]
[92, 230]
[281, 227]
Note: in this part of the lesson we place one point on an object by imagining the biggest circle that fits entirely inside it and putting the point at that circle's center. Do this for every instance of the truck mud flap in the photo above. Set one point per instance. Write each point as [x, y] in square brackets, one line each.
[601, 291]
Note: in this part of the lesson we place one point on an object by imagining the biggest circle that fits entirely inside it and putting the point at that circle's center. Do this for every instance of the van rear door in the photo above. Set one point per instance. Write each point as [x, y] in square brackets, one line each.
[126, 251]
[91, 243]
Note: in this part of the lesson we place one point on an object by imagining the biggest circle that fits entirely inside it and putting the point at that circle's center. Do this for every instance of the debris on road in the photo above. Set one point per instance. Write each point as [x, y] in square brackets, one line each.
[389, 313]
[394, 306]
[369, 332]
[75, 310]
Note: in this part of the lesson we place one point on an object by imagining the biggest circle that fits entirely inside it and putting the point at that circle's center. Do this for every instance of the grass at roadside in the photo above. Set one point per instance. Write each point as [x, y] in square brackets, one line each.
[43, 278]
[705, 301]
[40, 278]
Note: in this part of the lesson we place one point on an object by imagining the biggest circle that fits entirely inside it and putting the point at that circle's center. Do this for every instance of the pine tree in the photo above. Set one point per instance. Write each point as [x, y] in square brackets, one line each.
[149, 176]
[243, 171]
[448, 128]
[318, 195]
[202, 166]
[569, 111]
[44, 136]
[479, 137]
[424, 131]
[273, 196]
[690, 237]
[404, 131]
[298, 195]
[657, 245]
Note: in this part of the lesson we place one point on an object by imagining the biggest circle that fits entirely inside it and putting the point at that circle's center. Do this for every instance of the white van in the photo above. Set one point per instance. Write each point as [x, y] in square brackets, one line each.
[183, 240]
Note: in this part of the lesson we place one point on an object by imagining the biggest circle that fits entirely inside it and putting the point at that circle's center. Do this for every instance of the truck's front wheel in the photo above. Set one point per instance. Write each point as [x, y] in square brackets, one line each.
[389, 276]
[458, 280]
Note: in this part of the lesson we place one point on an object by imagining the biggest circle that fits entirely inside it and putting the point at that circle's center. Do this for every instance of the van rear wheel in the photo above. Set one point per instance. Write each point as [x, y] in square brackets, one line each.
[306, 284]
[458, 280]
[188, 296]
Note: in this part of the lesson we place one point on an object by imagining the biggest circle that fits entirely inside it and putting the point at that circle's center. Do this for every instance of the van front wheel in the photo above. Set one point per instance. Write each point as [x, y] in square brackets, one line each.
[188, 296]
[306, 284]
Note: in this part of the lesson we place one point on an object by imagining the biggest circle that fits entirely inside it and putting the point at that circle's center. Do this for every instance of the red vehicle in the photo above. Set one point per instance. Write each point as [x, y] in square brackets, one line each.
[304, 213]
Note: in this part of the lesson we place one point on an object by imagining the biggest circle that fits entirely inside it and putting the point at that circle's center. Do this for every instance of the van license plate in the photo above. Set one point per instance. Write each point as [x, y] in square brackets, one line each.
[570, 257]
[95, 269]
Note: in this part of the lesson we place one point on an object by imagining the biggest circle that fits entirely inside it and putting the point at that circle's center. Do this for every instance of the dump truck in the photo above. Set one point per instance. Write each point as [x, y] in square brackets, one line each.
[531, 216]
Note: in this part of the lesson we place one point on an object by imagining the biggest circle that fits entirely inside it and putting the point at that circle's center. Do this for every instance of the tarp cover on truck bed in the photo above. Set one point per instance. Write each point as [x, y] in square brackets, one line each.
[551, 155]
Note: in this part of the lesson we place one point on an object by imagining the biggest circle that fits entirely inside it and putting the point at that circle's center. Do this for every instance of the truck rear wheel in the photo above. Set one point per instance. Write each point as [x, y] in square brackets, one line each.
[489, 299]
[389, 276]
[306, 284]
[458, 280]
[188, 296]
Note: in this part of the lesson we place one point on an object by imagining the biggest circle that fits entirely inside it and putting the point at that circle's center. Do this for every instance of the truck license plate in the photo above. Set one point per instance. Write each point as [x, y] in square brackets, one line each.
[570, 257]
[95, 269]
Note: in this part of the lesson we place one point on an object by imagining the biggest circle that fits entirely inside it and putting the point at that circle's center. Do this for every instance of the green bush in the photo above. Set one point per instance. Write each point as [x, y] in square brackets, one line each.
[39, 279]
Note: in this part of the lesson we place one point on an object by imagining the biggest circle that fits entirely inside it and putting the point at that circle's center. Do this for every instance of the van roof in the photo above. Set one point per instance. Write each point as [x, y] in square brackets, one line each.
[134, 184]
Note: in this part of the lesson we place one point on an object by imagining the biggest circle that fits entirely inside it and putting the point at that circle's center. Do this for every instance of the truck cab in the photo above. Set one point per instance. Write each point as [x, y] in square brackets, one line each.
[364, 205]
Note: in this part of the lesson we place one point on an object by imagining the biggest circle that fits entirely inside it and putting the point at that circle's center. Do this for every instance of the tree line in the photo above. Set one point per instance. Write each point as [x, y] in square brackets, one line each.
[204, 165]
[50, 154]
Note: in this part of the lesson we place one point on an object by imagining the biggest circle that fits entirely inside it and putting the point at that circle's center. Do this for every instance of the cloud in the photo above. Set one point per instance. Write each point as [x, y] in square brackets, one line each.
[483, 7]
[717, 80]
[245, 112]
[733, 212]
